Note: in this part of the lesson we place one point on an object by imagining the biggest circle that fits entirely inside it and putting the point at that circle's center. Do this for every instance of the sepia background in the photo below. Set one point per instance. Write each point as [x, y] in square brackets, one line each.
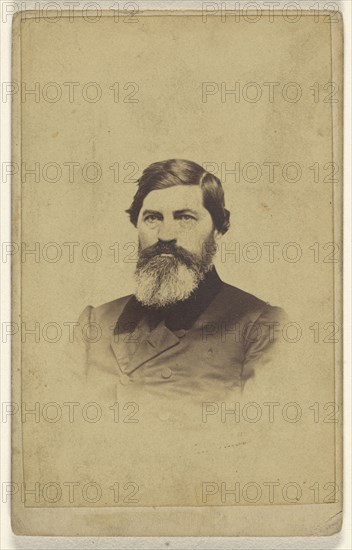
[256, 102]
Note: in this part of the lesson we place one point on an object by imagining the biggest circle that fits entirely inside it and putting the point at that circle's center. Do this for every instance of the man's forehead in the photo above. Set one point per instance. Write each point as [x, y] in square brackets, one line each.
[178, 197]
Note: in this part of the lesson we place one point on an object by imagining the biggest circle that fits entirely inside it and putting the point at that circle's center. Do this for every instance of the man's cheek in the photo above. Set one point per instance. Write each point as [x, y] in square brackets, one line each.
[144, 240]
[186, 244]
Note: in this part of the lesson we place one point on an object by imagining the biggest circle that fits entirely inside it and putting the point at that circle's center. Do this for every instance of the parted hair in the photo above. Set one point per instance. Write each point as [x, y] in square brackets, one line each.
[167, 173]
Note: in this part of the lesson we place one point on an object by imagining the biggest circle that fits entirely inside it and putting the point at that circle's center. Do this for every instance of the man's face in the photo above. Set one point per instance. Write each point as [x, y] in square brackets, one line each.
[175, 214]
[176, 245]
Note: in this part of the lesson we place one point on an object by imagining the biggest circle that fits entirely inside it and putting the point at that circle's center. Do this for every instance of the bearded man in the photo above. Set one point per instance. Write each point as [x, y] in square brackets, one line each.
[184, 331]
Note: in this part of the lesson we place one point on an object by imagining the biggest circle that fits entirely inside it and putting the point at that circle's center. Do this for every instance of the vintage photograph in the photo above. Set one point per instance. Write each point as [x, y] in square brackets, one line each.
[167, 335]
[176, 253]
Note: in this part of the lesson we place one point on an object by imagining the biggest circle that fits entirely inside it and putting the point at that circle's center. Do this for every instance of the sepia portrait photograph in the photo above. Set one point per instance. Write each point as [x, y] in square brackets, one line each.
[183, 331]
[176, 261]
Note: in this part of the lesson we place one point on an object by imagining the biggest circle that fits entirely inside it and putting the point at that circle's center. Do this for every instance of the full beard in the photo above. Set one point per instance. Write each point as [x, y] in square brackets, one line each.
[166, 273]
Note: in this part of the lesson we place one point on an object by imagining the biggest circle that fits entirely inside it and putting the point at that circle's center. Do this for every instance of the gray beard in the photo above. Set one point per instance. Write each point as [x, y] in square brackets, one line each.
[164, 280]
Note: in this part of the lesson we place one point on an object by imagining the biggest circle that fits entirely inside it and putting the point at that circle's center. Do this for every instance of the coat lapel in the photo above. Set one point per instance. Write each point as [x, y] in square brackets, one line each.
[157, 342]
[132, 342]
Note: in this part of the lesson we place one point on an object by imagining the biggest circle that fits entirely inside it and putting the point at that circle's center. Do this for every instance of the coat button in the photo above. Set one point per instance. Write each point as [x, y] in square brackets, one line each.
[124, 379]
[180, 333]
[166, 372]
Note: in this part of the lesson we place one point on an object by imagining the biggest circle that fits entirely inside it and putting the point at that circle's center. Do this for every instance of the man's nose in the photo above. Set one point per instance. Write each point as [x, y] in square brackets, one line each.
[167, 232]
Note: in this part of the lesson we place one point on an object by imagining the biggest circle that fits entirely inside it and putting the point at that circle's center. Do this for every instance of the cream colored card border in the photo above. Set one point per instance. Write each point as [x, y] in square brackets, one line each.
[318, 519]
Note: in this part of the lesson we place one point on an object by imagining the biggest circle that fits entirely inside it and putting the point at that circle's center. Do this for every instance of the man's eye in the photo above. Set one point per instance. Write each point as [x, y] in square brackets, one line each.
[186, 217]
[151, 218]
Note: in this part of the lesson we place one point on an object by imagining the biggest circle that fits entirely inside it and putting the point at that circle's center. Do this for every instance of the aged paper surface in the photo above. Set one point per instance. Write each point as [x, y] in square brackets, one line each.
[216, 412]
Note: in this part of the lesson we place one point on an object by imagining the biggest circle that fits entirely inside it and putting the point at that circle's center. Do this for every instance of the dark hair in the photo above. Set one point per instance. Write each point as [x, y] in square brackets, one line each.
[168, 173]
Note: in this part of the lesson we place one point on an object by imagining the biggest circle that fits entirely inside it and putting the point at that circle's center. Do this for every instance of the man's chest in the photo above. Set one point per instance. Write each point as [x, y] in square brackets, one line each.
[184, 360]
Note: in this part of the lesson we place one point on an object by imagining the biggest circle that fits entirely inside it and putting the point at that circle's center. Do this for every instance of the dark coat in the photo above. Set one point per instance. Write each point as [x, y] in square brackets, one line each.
[210, 344]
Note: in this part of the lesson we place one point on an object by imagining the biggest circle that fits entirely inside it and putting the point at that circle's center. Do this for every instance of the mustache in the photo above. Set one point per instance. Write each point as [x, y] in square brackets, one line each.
[178, 253]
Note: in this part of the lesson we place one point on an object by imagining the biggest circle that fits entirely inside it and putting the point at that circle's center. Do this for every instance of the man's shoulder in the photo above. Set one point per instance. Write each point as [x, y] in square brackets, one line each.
[237, 302]
[108, 312]
[113, 306]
